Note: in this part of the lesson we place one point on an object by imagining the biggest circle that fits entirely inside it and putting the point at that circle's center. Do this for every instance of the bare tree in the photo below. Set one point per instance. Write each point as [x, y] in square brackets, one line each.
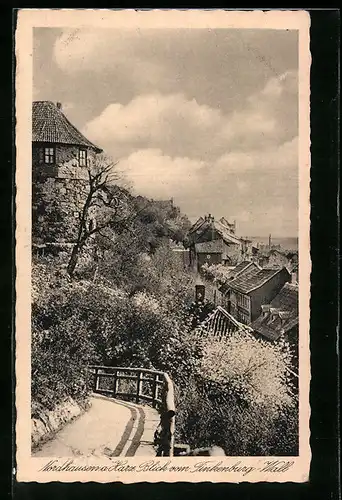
[100, 203]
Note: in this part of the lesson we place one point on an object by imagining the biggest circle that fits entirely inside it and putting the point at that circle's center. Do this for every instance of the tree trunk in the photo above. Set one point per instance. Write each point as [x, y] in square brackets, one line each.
[73, 259]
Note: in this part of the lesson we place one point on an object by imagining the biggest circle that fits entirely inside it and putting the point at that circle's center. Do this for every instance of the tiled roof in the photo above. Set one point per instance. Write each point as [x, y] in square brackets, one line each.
[214, 246]
[275, 250]
[225, 233]
[229, 225]
[246, 268]
[50, 125]
[282, 315]
[196, 225]
[252, 278]
[240, 267]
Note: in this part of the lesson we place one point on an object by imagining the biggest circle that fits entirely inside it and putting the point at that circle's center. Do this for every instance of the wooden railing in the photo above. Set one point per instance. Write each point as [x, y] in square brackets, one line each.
[141, 385]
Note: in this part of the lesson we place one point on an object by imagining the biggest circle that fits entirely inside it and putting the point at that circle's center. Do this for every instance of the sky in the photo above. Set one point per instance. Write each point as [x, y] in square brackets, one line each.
[206, 117]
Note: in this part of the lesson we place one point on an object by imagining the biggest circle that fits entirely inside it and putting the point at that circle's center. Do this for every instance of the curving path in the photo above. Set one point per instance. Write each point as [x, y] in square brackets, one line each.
[109, 428]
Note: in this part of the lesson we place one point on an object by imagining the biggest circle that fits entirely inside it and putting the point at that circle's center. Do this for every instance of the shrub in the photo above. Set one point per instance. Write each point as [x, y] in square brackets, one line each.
[239, 399]
[78, 322]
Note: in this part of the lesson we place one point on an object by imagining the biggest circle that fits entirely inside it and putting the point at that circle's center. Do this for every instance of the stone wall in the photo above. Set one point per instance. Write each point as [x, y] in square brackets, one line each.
[45, 423]
[59, 192]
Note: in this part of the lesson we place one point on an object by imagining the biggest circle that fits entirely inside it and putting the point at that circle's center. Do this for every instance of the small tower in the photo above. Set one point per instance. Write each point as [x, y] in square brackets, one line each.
[61, 157]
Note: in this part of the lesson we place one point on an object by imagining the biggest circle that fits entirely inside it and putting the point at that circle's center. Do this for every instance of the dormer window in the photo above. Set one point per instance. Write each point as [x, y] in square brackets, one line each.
[83, 157]
[49, 155]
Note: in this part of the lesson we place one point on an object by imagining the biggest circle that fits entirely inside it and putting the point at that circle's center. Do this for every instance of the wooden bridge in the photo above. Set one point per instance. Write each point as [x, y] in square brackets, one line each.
[132, 413]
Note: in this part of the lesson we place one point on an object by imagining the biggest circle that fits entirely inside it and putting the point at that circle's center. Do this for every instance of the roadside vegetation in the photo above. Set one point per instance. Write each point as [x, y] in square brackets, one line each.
[127, 300]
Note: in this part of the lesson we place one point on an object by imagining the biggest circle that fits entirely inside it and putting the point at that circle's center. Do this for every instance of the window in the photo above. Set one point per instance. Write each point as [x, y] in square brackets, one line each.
[243, 301]
[244, 318]
[83, 157]
[49, 155]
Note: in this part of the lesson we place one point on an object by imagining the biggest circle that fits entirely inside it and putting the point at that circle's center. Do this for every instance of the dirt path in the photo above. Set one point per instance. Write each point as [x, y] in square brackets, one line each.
[109, 428]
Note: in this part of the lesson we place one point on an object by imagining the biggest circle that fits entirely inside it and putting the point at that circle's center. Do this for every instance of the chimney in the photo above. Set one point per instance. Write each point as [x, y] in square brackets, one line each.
[265, 308]
[59, 105]
[274, 313]
[284, 315]
[294, 278]
[199, 293]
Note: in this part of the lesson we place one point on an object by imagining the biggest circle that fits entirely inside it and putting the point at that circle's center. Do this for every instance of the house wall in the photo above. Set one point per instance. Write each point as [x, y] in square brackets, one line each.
[266, 293]
[240, 311]
[209, 258]
[234, 254]
[66, 164]
[182, 256]
[58, 194]
[209, 234]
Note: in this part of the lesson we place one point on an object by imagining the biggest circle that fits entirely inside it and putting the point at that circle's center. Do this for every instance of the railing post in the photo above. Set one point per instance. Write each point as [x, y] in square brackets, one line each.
[115, 383]
[167, 420]
[154, 390]
[137, 397]
[95, 387]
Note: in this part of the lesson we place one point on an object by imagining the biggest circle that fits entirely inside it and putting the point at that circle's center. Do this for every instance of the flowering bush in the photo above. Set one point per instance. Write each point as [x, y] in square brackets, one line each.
[254, 370]
[215, 272]
[239, 399]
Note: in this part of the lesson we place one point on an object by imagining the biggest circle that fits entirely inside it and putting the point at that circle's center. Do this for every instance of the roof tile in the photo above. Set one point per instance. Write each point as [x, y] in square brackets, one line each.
[285, 302]
[50, 125]
[252, 278]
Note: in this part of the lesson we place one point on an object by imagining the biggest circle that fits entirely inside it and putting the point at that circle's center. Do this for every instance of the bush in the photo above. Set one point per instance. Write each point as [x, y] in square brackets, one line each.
[76, 323]
[239, 399]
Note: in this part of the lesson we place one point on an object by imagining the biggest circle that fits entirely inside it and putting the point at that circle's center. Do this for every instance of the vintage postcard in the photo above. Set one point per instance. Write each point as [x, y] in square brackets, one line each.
[162, 246]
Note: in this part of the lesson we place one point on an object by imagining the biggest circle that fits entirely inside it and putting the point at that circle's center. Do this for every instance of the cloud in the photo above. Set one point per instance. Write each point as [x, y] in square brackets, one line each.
[282, 157]
[208, 117]
[172, 123]
[183, 127]
[241, 163]
[161, 177]
[220, 68]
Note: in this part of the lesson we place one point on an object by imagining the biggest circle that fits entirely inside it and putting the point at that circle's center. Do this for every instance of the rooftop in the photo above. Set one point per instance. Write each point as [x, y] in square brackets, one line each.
[50, 125]
[281, 315]
[241, 267]
[226, 234]
[252, 278]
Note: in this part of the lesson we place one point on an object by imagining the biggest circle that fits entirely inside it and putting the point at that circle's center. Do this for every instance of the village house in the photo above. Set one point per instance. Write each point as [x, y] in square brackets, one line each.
[274, 258]
[61, 157]
[250, 288]
[215, 242]
[181, 253]
[280, 318]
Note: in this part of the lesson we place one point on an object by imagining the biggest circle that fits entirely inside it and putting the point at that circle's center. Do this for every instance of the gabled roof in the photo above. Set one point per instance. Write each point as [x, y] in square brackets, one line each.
[196, 225]
[246, 267]
[243, 266]
[224, 232]
[254, 278]
[282, 315]
[230, 225]
[220, 323]
[276, 251]
[50, 125]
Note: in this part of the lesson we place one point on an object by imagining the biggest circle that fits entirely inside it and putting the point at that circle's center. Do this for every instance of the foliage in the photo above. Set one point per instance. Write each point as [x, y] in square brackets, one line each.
[77, 322]
[133, 306]
[49, 218]
[215, 272]
[240, 399]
